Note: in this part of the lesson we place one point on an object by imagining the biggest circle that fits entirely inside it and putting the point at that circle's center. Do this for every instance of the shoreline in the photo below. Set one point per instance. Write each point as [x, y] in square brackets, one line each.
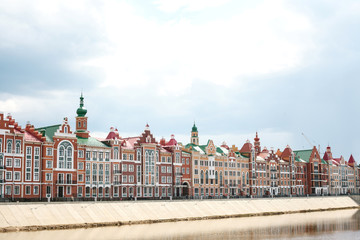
[133, 213]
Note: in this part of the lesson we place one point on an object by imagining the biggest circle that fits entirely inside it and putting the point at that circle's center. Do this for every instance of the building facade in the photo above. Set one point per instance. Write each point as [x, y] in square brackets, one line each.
[63, 162]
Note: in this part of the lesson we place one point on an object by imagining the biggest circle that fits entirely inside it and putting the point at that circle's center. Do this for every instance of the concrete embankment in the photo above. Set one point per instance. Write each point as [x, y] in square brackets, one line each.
[40, 216]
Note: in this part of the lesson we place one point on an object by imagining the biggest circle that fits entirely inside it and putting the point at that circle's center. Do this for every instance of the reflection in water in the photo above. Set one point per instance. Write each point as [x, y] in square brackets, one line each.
[344, 224]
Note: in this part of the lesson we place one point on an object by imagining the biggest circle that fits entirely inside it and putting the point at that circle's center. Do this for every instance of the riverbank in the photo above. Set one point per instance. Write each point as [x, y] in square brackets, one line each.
[44, 216]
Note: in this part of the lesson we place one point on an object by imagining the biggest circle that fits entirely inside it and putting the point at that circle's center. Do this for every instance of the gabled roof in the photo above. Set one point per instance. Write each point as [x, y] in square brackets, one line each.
[49, 131]
[92, 142]
[351, 160]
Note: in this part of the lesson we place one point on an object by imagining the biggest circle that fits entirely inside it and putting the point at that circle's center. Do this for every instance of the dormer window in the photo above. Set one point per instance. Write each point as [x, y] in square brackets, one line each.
[65, 129]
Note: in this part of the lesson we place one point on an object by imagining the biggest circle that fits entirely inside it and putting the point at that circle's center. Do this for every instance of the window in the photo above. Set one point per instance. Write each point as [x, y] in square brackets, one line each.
[17, 162]
[27, 190]
[169, 180]
[131, 168]
[7, 190]
[48, 164]
[17, 190]
[48, 176]
[68, 190]
[124, 156]
[0, 145]
[36, 190]
[131, 179]
[131, 157]
[81, 166]
[79, 190]
[81, 154]
[18, 147]
[124, 168]
[49, 151]
[163, 179]
[169, 169]
[124, 179]
[65, 155]
[9, 146]
[80, 177]
[8, 175]
[8, 162]
[116, 153]
[16, 176]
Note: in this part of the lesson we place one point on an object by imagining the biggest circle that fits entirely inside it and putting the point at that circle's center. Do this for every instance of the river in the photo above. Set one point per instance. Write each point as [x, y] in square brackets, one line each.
[343, 224]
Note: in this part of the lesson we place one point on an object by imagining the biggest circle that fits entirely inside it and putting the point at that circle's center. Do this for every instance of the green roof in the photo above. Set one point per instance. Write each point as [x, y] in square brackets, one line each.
[194, 128]
[303, 154]
[93, 142]
[48, 131]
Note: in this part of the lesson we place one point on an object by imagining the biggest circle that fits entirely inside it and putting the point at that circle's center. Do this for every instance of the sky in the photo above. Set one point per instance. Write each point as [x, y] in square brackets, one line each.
[281, 68]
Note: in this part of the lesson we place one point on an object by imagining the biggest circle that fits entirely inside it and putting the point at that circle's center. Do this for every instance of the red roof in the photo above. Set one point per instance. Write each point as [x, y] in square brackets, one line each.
[326, 156]
[30, 137]
[285, 155]
[246, 147]
[351, 160]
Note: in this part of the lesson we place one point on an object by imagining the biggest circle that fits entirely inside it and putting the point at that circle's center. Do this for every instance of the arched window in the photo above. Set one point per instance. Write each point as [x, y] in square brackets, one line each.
[216, 177]
[202, 177]
[65, 155]
[9, 146]
[65, 129]
[116, 153]
[17, 148]
[221, 178]
[207, 177]
[138, 155]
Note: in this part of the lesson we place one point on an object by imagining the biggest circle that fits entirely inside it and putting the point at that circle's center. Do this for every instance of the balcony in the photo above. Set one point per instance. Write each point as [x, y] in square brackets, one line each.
[116, 171]
[66, 182]
[117, 182]
[178, 174]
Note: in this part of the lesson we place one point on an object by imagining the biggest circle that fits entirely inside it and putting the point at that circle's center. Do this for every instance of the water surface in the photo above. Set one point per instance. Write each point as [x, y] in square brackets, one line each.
[344, 224]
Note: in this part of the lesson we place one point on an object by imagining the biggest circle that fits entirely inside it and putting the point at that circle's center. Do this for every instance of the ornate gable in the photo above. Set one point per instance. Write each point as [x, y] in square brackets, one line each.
[210, 148]
[146, 137]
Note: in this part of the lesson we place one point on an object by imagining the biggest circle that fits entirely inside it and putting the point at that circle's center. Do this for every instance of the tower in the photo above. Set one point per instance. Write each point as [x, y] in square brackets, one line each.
[81, 120]
[194, 135]
[257, 144]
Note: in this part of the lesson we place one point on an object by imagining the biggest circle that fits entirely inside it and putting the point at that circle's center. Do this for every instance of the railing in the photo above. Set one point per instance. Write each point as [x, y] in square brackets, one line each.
[66, 182]
[117, 182]
[116, 171]
[178, 174]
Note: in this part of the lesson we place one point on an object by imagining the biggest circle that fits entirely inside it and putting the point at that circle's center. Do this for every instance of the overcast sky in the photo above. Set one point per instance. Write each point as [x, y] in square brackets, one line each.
[281, 68]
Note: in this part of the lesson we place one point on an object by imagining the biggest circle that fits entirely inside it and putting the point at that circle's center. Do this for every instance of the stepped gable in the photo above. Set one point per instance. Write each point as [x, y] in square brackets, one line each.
[33, 135]
[146, 137]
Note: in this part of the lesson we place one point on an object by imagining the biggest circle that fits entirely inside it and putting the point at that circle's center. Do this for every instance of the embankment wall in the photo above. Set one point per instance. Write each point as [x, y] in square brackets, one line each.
[39, 216]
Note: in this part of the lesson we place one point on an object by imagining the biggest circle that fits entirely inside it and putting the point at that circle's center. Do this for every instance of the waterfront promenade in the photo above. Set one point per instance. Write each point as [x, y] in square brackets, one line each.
[40, 216]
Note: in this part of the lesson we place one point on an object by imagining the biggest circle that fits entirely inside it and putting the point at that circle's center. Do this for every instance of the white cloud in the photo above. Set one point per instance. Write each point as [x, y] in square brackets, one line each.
[169, 56]
[187, 5]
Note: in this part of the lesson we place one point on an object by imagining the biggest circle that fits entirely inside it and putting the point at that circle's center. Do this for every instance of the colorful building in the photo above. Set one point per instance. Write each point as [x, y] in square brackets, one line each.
[61, 162]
